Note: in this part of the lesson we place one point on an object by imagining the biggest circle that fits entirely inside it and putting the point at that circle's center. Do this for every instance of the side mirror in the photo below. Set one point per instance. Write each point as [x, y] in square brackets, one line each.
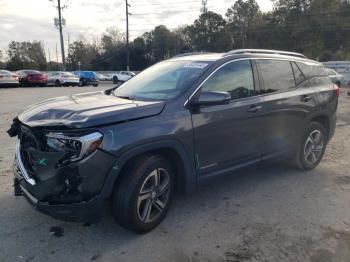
[211, 98]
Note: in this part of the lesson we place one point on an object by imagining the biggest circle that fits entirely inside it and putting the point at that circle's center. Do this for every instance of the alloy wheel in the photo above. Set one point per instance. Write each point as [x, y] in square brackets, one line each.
[154, 195]
[313, 148]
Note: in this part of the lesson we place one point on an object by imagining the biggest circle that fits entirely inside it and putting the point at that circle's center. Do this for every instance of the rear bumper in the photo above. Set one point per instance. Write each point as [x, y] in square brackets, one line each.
[38, 81]
[3, 84]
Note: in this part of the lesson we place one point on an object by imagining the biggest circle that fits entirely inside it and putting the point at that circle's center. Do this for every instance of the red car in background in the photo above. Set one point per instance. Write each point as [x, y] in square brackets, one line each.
[32, 78]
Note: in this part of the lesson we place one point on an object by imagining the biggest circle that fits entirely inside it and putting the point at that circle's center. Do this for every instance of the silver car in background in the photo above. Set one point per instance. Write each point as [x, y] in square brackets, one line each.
[62, 79]
[336, 78]
[8, 78]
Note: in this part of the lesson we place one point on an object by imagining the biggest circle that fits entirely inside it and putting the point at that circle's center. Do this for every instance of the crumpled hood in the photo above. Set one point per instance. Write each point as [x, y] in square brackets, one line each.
[87, 110]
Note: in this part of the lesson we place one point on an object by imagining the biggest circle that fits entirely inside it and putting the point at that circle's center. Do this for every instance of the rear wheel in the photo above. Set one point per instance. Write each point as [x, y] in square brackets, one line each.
[312, 147]
[81, 82]
[57, 83]
[142, 198]
[95, 85]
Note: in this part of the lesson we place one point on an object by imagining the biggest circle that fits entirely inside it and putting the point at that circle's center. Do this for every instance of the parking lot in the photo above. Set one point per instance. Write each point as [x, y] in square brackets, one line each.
[275, 213]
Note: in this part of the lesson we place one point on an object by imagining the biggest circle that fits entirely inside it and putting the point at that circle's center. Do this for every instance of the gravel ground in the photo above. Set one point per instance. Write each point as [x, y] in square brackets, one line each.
[275, 213]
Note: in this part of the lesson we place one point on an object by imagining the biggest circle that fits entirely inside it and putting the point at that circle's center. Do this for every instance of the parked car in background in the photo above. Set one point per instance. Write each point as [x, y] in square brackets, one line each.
[336, 78]
[8, 78]
[341, 67]
[108, 77]
[122, 76]
[171, 127]
[31, 78]
[62, 79]
[101, 77]
[87, 78]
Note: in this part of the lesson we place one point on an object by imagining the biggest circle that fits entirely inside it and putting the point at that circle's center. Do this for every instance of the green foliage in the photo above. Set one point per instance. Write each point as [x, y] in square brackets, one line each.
[318, 28]
[26, 55]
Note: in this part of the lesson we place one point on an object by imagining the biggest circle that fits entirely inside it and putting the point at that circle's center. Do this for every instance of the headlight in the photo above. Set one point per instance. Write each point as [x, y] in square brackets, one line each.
[76, 147]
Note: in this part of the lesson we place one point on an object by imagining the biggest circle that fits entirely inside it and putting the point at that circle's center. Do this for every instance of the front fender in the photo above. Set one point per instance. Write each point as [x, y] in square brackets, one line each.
[190, 177]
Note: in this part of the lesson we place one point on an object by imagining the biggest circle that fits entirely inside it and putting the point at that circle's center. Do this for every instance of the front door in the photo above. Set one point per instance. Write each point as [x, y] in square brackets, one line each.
[228, 136]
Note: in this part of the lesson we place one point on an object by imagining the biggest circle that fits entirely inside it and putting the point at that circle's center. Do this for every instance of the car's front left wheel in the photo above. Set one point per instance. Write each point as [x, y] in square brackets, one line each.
[143, 196]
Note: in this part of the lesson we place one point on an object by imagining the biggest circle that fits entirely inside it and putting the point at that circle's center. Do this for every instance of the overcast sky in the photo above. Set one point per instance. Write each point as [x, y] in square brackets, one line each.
[22, 20]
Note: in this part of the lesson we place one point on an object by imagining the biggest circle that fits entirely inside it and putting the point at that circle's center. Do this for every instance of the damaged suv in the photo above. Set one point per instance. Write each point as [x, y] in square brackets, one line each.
[171, 127]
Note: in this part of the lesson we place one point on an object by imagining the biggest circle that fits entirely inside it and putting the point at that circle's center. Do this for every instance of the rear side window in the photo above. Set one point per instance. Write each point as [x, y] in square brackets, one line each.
[311, 70]
[235, 78]
[299, 76]
[276, 75]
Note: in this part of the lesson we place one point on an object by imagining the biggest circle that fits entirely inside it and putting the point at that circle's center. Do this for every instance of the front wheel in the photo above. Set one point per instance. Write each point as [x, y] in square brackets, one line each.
[115, 80]
[312, 147]
[142, 198]
[81, 82]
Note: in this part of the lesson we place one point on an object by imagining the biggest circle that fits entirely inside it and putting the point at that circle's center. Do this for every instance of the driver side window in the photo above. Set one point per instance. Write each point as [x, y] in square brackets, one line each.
[235, 78]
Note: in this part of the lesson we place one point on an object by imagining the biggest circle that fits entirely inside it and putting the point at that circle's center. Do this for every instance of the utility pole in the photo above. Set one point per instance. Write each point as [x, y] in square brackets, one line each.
[204, 8]
[49, 63]
[61, 34]
[56, 56]
[127, 36]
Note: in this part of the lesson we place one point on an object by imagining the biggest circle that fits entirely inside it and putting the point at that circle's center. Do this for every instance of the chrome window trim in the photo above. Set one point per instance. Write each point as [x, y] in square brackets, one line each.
[242, 59]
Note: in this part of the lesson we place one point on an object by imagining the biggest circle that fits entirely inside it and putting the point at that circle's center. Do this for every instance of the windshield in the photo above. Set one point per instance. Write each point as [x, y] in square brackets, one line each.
[162, 81]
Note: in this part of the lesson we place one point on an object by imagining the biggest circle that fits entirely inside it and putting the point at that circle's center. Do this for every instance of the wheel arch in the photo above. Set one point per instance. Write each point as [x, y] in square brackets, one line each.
[173, 151]
[324, 120]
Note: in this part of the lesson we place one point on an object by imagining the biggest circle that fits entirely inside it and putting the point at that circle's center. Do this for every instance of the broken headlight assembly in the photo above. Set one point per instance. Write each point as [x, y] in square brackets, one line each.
[75, 146]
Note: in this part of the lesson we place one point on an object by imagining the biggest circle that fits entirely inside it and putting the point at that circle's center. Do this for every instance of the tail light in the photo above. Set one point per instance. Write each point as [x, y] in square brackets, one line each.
[1, 76]
[337, 89]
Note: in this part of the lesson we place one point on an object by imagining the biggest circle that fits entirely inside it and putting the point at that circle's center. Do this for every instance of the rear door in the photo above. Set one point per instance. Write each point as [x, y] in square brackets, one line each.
[228, 136]
[287, 103]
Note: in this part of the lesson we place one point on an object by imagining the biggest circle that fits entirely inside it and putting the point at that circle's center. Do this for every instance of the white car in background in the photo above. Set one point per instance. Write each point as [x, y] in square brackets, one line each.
[122, 76]
[62, 79]
[8, 78]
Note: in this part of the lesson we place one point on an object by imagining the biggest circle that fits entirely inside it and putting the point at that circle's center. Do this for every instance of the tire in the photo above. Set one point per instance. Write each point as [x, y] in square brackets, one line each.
[130, 204]
[115, 80]
[312, 147]
[95, 85]
[57, 83]
[81, 82]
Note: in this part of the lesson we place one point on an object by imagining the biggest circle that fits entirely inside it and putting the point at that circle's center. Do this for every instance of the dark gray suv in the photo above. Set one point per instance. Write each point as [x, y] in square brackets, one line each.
[171, 127]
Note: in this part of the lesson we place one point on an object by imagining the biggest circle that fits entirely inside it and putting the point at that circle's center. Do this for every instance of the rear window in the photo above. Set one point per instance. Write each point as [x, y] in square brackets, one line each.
[31, 72]
[66, 74]
[312, 70]
[276, 75]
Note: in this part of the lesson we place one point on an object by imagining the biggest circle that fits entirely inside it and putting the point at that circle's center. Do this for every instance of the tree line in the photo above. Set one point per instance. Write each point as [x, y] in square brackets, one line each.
[320, 29]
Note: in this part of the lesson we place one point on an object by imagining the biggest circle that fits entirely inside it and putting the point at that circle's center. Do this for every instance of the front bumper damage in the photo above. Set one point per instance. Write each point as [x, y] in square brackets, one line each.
[73, 192]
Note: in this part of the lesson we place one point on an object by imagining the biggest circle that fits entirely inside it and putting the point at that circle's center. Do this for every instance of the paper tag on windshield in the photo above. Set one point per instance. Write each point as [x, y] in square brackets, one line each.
[195, 65]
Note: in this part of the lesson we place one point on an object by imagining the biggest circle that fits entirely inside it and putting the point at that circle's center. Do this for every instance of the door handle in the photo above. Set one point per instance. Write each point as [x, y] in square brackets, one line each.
[254, 109]
[306, 98]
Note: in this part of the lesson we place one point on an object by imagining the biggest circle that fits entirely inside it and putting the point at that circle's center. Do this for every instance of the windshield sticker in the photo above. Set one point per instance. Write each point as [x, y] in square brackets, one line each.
[195, 65]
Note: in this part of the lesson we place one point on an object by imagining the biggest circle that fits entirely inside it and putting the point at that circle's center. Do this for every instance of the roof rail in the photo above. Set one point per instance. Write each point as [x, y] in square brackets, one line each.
[192, 53]
[263, 51]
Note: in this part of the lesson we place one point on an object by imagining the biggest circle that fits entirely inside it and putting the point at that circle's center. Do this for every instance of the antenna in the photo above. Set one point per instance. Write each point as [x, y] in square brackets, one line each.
[204, 8]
